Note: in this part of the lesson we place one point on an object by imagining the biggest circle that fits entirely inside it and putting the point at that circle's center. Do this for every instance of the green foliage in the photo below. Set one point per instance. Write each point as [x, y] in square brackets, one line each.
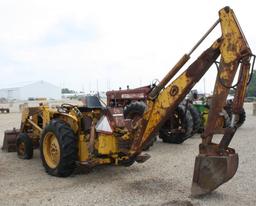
[251, 92]
[67, 91]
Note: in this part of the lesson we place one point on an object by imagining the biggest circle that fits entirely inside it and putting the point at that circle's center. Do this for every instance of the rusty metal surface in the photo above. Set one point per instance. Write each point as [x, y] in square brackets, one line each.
[92, 138]
[227, 73]
[234, 46]
[217, 163]
[10, 137]
[212, 171]
[116, 117]
[226, 139]
[142, 158]
[241, 87]
[120, 98]
[161, 108]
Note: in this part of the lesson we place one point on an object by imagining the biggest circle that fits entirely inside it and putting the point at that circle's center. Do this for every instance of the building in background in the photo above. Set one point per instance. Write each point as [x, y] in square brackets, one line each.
[32, 91]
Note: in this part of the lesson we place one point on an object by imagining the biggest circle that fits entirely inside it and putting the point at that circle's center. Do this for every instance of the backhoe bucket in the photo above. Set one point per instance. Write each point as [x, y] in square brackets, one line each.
[10, 137]
[212, 171]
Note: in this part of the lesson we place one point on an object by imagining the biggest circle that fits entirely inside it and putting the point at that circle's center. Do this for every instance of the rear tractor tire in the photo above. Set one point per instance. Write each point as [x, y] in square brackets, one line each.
[24, 146]
[134, 109]
[150, 143]
[242, 117]
[180, 120]
[58, 148]
[196, 118]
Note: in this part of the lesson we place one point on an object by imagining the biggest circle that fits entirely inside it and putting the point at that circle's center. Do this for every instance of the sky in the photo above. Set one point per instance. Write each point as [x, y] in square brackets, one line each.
[103, 45]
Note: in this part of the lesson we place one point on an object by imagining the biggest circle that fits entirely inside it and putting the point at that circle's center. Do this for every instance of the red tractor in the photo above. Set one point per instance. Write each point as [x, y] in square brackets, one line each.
[181, 125]
[186, 120]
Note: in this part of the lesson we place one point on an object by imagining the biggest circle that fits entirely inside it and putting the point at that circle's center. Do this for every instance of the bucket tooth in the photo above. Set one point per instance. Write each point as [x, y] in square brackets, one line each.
[212, 171]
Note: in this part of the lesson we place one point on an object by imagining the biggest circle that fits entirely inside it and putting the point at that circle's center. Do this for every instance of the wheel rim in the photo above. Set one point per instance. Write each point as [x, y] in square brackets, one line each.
[51, 150]
[21, 149]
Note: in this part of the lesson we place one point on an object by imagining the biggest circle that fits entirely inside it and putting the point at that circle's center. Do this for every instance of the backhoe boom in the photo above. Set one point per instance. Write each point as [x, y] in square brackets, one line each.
[216, 163]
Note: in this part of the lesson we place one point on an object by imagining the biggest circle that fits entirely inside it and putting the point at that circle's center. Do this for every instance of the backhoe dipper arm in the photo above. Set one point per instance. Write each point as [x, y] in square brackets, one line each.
[160, 108]
[216, 163]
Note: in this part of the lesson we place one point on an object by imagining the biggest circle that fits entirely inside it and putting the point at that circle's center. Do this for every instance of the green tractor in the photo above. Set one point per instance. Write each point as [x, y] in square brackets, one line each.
[203, 104]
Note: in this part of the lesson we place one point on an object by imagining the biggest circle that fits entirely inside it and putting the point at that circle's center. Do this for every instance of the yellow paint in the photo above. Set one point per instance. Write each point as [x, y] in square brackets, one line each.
[205, 116]
[220, 121]
[71, 120]
[46, 115]
[25, 112]
[157, 110]
[107, 144]
[51, 150]
[231, 46]
[83, 153]
[102, 161]
[234, 41]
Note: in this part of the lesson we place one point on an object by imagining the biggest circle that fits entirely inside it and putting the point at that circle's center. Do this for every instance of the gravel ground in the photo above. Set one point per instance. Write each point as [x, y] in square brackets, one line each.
[165, 179]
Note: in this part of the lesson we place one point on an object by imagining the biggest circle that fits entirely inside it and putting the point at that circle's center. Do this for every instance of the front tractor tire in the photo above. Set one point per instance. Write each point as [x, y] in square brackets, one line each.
[24, 146]
[58, 149]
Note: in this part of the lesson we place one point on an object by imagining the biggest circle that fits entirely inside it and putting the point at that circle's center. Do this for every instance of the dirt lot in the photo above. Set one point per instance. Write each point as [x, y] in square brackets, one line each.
[164, 180]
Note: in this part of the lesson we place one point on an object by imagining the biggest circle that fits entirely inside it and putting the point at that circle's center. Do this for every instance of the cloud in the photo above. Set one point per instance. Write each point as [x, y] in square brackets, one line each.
[67, 31]
[80, 43]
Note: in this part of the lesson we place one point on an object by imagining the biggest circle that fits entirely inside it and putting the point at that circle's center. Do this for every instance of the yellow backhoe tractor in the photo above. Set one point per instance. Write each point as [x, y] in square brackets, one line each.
[93, 135]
